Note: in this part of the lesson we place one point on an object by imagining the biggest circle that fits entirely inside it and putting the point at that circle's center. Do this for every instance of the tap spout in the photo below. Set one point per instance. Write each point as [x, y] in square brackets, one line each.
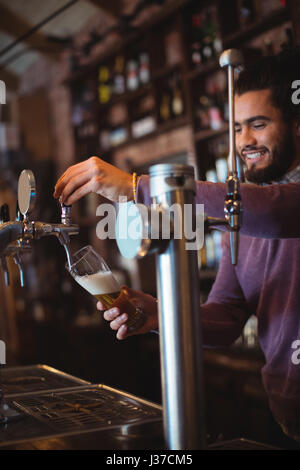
[9, 232]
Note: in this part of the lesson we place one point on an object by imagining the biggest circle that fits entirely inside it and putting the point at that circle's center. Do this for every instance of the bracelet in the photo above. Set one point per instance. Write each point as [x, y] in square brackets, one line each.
[134, 181]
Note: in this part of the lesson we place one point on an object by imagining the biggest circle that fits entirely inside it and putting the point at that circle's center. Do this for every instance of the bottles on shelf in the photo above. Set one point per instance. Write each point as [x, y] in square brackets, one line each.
[171, 101]
[132, 75]
[165, 107]
[209, 114]
[119, 75]
[144, 68]
[205, 39]
[104, 87]
[123, 75]
[114, 128]
[143, 115]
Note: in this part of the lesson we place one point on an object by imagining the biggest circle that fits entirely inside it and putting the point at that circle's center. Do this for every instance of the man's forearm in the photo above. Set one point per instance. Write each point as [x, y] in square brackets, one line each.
[268, 211]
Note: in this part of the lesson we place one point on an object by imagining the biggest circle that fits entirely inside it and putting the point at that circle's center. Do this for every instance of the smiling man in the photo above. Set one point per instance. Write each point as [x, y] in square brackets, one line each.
[266, 280]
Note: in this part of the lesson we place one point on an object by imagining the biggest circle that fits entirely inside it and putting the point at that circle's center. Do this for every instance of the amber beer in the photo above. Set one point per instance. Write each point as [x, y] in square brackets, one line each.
[105, 288]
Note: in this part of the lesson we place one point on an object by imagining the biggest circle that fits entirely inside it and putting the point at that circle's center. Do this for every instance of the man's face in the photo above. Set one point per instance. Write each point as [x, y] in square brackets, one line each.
[264, 142]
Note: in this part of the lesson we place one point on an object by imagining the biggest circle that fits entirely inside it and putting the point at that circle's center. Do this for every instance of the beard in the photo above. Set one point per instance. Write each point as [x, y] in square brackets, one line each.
[283, 158]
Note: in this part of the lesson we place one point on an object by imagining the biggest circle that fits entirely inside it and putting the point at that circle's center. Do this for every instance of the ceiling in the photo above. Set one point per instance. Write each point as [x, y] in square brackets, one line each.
[17, 17]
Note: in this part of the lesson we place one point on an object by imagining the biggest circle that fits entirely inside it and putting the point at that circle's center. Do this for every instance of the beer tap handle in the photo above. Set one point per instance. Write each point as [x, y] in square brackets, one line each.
[66, 214]
[232, 58]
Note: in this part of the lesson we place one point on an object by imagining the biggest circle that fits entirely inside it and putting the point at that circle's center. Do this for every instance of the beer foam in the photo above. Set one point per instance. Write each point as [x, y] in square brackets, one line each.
[99, 283]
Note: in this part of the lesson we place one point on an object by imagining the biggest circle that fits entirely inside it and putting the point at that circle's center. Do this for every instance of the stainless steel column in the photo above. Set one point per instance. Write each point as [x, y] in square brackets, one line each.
[179, 317]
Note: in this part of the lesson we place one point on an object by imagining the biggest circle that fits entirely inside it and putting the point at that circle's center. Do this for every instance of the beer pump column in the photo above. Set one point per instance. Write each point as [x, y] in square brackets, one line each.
[179, 316]
[178, 305]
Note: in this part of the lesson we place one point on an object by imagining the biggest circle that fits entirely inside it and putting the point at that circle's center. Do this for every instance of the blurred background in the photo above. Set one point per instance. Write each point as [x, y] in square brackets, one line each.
[135, 82]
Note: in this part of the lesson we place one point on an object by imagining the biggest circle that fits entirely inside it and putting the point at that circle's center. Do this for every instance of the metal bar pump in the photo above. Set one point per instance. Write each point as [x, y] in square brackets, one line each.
[178, 283]
[15, 235]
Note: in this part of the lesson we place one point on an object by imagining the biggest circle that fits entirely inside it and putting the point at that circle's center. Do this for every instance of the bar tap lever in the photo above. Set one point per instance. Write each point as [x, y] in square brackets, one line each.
[66, 214]
[15, 236]
[232, 58]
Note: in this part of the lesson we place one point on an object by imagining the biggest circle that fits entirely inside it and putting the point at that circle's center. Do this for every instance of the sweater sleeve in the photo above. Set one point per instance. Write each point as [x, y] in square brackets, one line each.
[270, 211]
[225, 312]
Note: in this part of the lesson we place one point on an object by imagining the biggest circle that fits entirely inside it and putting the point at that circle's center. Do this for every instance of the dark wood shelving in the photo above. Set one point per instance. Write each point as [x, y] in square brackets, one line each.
[162, 128]
[270, 21]
[204, 69]
[209, 133]
[127, 96]
[130, 38]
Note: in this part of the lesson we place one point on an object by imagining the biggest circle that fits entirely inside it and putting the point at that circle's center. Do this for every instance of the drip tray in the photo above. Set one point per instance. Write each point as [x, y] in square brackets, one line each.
[77, 411]
[27, 379]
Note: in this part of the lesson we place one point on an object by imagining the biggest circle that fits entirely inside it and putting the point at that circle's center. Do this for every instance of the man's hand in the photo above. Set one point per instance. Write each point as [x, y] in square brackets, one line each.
[117, 318]
[93, 176]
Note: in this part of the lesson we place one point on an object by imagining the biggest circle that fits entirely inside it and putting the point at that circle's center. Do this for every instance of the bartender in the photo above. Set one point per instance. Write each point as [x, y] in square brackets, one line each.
[266, 281]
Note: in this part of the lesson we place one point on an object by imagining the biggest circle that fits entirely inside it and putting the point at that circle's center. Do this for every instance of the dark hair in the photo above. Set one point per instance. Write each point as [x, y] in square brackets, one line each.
[276, 73]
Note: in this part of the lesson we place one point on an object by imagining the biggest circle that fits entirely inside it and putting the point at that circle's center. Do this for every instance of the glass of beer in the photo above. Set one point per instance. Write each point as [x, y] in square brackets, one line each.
[91, 272]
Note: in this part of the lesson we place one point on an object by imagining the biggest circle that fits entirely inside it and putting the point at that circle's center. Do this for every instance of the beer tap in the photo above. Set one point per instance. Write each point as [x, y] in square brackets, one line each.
[178, 279]
[172, 186]
[15, 237]
[232, 58]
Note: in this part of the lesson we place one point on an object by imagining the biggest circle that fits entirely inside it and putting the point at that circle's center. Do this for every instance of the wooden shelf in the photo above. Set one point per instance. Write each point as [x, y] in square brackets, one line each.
[162, 128]
[276, 18]
[132, 37]
[207, 134]
[204, 69]
[127, 96]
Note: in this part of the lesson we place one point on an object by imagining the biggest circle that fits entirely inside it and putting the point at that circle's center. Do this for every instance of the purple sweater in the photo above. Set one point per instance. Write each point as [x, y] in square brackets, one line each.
[266, 282]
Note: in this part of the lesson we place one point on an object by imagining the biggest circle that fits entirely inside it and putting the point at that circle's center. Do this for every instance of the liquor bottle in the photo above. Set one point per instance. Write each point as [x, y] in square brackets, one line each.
[177, 104]
[215, 114]
[197, 39]
[165, 107]
[202, 115]
[144, 68]
[210, 39]
[132, 76]
[119, 78]
[104, 89]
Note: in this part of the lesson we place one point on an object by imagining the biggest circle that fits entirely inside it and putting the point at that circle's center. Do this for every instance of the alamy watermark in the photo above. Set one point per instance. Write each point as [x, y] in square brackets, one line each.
[138, 221]
[296, 93]
[2, 352]
[296, 354]
[2, 92]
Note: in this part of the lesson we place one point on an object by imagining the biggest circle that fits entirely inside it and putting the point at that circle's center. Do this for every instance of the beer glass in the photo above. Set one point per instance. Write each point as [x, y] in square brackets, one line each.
[91, 272]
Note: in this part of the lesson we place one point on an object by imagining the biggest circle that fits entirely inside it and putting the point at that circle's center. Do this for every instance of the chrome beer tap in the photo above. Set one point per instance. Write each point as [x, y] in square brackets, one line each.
[232, 58]
[178, 280]
[15, 237]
